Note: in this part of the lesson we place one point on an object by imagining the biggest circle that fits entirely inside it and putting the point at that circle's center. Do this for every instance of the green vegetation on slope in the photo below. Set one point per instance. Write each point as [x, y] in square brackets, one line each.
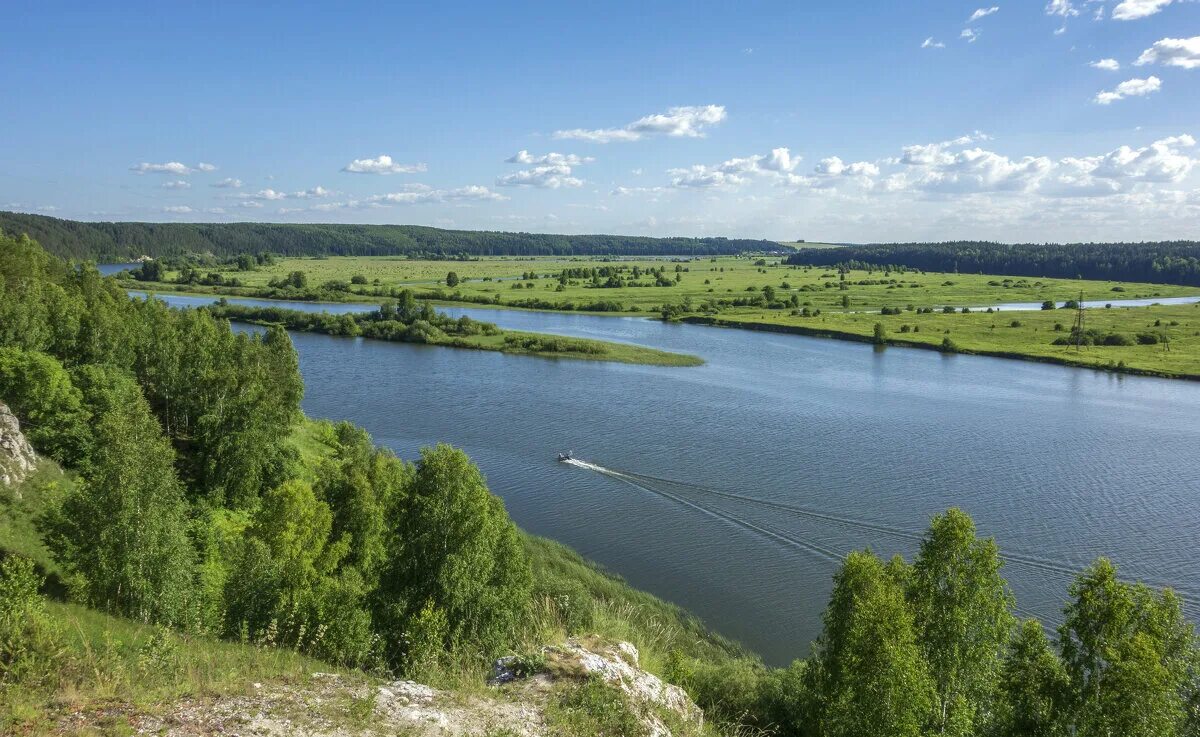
[121, 241]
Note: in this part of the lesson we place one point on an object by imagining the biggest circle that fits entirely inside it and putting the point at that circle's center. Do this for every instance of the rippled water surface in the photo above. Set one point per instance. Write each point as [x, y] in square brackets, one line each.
[733, 487]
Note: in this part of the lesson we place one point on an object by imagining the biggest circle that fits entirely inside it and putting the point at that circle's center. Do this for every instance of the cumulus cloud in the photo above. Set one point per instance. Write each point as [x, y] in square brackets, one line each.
[311, 194]
[954, 168]
[552, 159]
[1134, 9]
[1108, 65]
[177, 209]
[982, 13]
[835, 167]
[382, 164]
[736, 171]
[206, 167]
[969, 34]
[1129, 88]
[550, 171]
[548, 177]
[170, 167]
[273, 195]
[228, 183]
[176, 184]
[678, 122]
[1173, 52]
[929, 43]
[250, 204]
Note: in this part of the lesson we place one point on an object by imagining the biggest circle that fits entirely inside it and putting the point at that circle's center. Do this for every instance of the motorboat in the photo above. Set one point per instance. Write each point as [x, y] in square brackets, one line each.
[565, 456]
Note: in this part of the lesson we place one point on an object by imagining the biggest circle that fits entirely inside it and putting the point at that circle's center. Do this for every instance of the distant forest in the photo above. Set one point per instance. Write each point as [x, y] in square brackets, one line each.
[1167, 262]
[123, 241]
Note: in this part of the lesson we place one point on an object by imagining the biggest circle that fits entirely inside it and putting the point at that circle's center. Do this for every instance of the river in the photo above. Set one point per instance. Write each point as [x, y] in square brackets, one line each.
[746, 478]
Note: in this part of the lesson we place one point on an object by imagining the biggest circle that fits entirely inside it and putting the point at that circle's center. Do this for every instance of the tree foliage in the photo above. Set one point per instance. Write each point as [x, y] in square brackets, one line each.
[1167, 262]
[81, 240]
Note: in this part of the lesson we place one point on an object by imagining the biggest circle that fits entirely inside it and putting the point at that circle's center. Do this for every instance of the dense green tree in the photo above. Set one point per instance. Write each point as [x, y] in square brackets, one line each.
[122, 532]
[41, 394]
[1130, 655]
[359, 482]
[453, 550]
[962, 610]
[1034, 687]
[867, 674]
[452, 279]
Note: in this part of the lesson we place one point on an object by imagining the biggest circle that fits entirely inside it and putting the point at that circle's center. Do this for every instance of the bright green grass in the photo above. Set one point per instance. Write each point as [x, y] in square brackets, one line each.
[706, 278]
[994, 334]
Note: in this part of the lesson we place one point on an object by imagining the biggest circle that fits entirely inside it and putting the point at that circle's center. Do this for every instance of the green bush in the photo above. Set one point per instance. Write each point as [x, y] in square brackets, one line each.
[28, 639]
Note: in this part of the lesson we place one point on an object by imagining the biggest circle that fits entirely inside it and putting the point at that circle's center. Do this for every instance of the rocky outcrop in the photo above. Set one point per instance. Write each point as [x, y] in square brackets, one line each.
[17, 459]
[333, 705]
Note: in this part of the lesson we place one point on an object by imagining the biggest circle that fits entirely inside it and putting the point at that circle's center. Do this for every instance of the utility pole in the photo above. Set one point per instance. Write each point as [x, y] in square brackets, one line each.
[1077, 330]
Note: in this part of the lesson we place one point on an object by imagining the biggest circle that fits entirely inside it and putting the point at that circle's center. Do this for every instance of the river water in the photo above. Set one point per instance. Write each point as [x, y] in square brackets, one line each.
[732, 488]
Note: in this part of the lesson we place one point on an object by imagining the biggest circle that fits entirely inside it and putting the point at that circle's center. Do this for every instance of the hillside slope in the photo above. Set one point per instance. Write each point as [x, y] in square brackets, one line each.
[129, 240]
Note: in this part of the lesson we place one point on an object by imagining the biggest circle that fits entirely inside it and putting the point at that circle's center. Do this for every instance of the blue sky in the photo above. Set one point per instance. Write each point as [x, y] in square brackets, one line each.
[1072, 120]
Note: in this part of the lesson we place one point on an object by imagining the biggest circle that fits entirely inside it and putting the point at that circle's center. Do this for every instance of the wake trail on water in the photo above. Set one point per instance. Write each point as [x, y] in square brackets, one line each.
[655, 484]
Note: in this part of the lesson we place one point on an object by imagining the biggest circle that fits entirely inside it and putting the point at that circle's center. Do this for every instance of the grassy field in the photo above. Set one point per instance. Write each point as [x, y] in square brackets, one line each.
[1013, 334]
[700, 280]
[815, 301]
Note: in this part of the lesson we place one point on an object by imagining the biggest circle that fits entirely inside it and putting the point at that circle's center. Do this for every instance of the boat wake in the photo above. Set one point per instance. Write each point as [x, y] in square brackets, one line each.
[697, 497]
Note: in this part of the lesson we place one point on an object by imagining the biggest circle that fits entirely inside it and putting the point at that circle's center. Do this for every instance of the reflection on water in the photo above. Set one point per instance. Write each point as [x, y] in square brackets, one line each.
[738, 483]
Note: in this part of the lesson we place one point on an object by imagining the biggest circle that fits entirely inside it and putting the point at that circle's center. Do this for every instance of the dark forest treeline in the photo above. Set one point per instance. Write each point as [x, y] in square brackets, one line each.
[122, 241]
[1166, 262]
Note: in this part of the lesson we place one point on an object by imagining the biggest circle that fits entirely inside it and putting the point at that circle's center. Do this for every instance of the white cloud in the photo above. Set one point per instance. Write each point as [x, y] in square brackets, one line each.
[252, 204]
[311, 194]
[170, 167]
[1062, 8]
[735, 172]
[1162, 161]
[425, 195]
[176, 184]
[947, 168]
[411, 194]
[969, 34]
[552, 159]
[382, 164]
[177, 209]
[929, 43]
[228, 183]
[1173, 52]
[678, 122]
[1134, 9]
[982, 13]
[835, 167]
[1108, 65]
[550, 171]
[206, 167]
[275, 195]
[1129, 88]
[548, 177]
[629, 191]
[1060, 30]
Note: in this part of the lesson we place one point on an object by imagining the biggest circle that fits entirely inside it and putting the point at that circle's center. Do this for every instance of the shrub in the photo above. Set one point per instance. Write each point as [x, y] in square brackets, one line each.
[28, 639]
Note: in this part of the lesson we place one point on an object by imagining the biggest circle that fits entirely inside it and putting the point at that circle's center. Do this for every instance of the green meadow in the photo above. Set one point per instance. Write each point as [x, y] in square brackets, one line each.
[811, 300]
[700, 280]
